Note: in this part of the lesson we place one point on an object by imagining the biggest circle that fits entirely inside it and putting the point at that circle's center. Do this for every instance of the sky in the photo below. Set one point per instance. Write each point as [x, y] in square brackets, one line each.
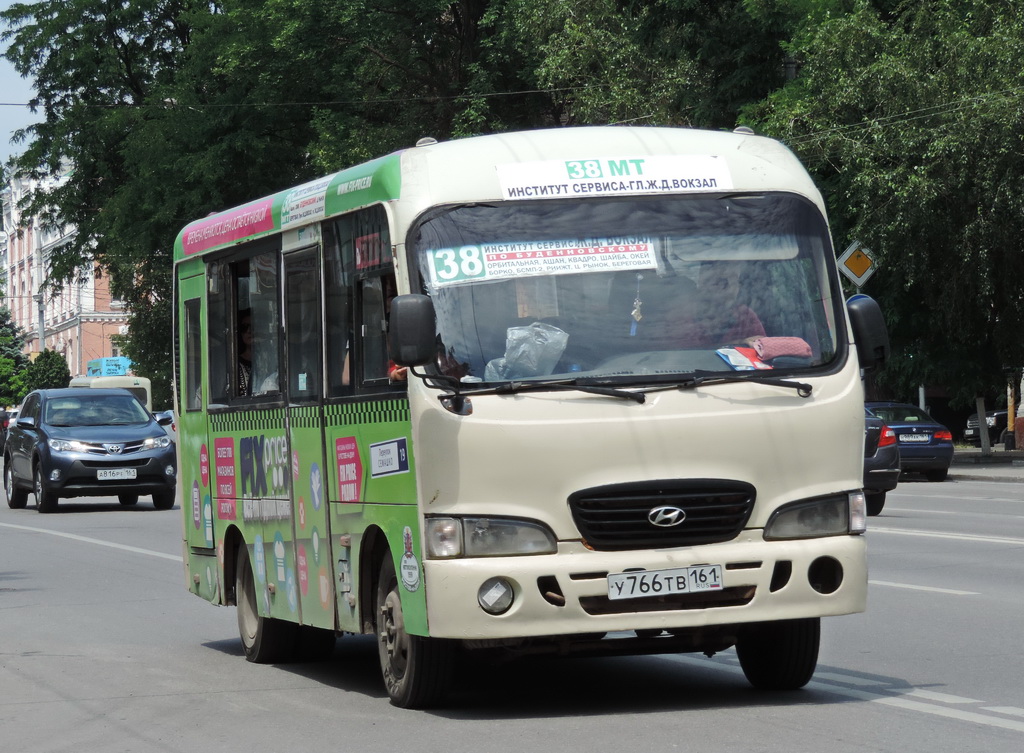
[15, 92]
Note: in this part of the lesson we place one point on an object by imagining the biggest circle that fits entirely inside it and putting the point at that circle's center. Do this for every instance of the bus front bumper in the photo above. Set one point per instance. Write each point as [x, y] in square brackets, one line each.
[567, 593]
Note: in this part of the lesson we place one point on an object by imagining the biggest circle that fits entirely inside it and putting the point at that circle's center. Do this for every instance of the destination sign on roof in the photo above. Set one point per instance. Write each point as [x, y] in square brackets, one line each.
[606, 176]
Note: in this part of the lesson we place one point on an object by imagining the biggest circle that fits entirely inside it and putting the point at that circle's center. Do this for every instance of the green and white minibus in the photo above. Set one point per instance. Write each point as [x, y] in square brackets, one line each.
[578, 390]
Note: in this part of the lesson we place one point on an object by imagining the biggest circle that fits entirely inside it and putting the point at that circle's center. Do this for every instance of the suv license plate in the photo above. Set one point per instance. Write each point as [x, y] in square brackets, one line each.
[115, 474]
[679, 580]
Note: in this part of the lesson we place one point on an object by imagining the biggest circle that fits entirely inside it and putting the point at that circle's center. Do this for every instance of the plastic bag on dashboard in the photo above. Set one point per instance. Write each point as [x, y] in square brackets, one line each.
[530, 351]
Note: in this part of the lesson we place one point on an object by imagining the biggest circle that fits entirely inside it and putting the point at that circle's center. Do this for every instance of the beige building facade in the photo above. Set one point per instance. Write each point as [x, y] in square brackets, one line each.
[80, 319]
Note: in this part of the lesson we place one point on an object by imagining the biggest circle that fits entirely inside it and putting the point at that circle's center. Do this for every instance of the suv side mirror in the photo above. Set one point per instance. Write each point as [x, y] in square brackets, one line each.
[869, 331]
[412, 330]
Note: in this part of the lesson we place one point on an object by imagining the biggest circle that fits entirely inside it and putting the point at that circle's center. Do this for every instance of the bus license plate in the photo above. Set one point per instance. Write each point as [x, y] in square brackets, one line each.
[115, 474]
[679, 580]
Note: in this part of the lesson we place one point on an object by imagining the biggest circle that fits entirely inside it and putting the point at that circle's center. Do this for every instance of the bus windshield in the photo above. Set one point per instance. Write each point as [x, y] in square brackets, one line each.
[628, 290]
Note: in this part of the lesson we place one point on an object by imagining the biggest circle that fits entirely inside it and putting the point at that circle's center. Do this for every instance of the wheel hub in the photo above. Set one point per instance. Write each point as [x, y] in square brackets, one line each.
[393, 637]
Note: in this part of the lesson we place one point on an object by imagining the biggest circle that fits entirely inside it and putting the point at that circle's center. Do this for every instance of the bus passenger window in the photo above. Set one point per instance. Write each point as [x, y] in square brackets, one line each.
[338, 263]
[303, 325]
[374, 325]
[193, 355]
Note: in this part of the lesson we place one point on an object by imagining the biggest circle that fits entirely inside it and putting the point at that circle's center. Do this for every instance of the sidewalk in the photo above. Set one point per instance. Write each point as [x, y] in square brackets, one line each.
[999, 465]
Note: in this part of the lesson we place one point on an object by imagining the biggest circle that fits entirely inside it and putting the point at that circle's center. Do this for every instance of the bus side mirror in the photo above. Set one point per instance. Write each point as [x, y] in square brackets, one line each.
[869, 331]
[412, 329]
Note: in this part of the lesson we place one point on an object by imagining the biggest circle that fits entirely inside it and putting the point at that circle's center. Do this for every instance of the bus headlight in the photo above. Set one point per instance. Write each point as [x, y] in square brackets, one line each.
[828, 516]
[486, 537]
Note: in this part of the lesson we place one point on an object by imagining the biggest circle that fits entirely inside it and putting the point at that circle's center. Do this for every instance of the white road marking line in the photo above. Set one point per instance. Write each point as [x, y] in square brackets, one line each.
[941, 535]
[933, 589]
[100, 542]
[1011, 710]
[931, 695]
[895, 698]
[848, 679]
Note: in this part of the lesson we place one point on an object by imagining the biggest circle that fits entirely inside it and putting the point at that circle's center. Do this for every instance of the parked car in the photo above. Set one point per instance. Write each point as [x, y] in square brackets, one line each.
[925, 445]
[996, 422]
[5, 418]
[83, 441]
[881, 462]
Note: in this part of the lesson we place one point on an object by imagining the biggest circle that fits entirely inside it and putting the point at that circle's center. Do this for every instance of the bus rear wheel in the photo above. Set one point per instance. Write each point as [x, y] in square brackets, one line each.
[265, 640]
[417, 670]
[779, 655]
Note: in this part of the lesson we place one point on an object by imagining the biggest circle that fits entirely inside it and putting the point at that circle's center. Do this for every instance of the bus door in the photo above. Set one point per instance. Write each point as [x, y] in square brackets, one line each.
[195, 482]
[304, 392]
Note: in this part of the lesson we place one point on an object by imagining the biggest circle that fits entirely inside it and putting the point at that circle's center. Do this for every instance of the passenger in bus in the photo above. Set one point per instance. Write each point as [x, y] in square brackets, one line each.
[396, 373]
[244, 382]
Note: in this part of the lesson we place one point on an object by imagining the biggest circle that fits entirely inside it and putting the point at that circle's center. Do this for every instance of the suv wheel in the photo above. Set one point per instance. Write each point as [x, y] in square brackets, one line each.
[46, 500]
[16, 498]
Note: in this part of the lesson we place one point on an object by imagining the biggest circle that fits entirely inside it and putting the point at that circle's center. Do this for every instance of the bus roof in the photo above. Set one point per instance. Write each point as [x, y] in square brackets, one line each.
[368, 183]
[517, 165]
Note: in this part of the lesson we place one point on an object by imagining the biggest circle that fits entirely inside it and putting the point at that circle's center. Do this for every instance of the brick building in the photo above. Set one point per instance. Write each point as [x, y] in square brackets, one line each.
[77, 322]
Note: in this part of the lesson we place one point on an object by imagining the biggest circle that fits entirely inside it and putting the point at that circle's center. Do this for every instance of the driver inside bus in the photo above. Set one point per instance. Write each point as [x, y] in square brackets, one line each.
[715, 315]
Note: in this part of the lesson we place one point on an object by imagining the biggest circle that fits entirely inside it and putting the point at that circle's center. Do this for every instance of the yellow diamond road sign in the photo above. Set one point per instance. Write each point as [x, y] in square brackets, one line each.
[857, 264]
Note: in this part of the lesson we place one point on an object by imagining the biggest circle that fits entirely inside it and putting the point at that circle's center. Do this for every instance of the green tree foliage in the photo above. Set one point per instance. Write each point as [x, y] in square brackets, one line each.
[910, 115]
[48, 371]
[12, 360]
[906, 111]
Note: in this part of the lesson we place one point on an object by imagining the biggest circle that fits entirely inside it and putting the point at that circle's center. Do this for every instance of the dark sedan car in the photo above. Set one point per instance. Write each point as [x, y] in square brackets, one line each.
[87, 442]
[881, 462]
[926, 446]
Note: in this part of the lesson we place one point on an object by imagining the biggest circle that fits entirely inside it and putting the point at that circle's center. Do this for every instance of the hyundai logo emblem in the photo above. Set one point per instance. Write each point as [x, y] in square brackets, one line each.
[114, 449]
[666, 516]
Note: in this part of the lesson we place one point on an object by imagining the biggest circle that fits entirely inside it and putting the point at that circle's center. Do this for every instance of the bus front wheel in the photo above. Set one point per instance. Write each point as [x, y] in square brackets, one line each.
[779, 655]
[264, 639]
[417, 670]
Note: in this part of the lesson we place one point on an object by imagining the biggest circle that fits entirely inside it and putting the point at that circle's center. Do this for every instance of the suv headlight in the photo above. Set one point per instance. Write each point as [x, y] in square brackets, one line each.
[66, 445]
[448, 538]
[836, 515]
[154, 443]
[990, 420]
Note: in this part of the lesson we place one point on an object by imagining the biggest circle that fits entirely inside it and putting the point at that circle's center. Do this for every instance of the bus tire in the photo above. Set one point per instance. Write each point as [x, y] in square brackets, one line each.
[417, 670]
[46, 501]
[265, 640]
[128, 499]
[163, 500]
[779, 655]
[16, 498]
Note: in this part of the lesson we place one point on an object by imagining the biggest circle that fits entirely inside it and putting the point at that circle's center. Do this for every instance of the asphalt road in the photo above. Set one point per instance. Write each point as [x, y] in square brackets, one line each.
[103, 649]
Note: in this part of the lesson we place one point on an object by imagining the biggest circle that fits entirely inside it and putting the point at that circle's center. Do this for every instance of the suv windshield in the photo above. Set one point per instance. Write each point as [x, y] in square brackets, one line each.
[98, 410]
[628, 289]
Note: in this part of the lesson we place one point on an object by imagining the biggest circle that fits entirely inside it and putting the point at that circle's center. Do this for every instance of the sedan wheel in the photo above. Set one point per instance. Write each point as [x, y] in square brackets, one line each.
[46, 501]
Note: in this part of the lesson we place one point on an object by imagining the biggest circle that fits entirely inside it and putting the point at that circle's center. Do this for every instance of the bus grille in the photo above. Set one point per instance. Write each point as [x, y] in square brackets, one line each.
[618, 517]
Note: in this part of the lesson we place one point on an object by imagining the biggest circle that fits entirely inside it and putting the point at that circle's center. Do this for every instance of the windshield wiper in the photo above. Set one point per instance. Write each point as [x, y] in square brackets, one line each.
[697, 378]
[460, 389]
[511, 388]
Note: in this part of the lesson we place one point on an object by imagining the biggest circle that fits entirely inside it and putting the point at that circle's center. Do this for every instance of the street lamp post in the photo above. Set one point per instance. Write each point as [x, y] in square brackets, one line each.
[41, 304]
